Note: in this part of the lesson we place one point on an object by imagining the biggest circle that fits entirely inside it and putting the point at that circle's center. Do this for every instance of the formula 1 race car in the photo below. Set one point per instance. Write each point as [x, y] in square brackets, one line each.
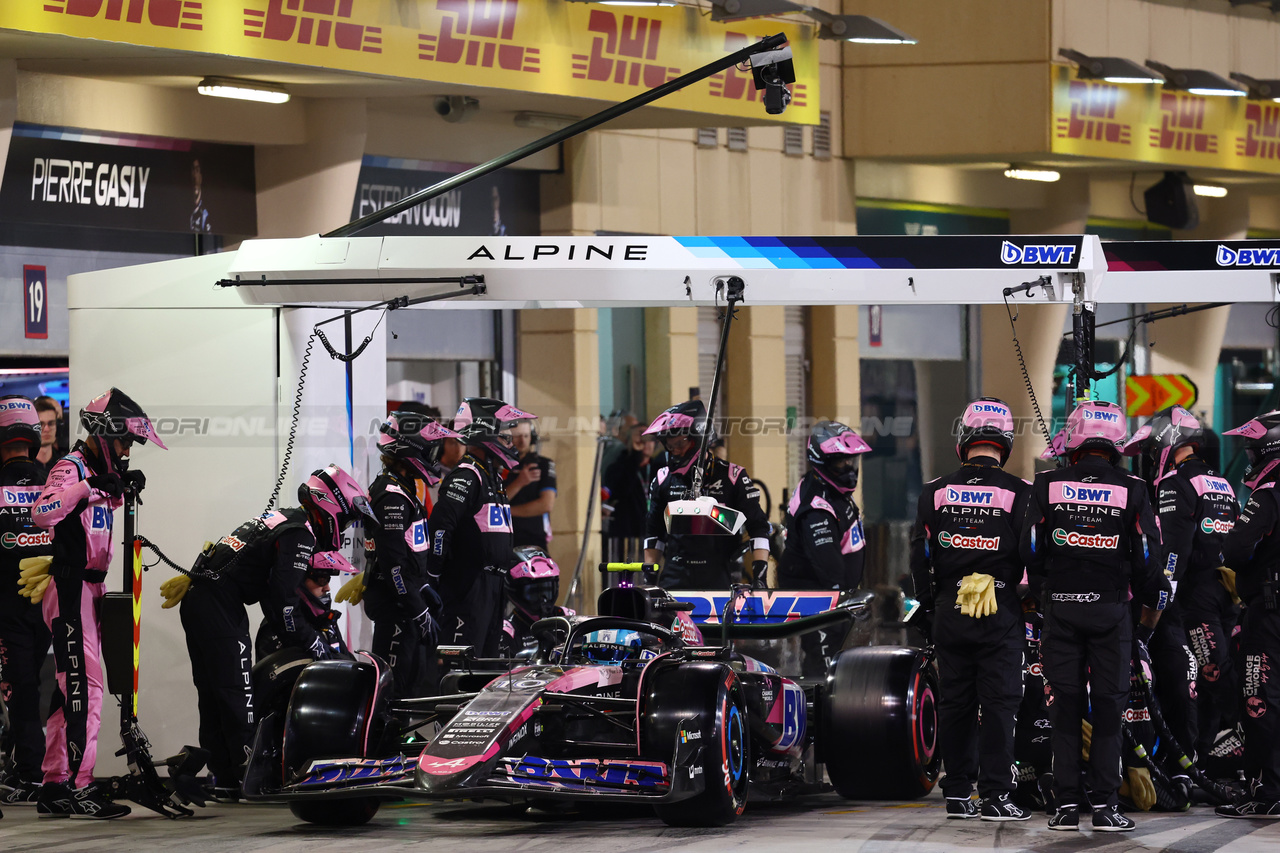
[629, 706]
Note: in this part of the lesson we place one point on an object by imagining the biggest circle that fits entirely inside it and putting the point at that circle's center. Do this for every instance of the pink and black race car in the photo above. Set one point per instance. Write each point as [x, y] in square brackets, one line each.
[632, 706]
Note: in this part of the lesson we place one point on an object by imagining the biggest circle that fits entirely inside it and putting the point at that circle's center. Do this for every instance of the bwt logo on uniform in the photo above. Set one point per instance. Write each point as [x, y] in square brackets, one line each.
[967, 496]
[1046, 255]
[1078, 493]
[1227, 257]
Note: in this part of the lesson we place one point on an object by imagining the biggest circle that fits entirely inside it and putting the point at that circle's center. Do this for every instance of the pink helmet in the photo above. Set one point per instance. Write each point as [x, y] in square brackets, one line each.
[115, 415]
[487, 422]
[533, 584]
[333, 499]
[1261, 438]
[1096, 425]
[1167, 430]
[986, 420]
[833, 449]
[1057, 447]
[326, 564]
[417, 440]
[19, 422]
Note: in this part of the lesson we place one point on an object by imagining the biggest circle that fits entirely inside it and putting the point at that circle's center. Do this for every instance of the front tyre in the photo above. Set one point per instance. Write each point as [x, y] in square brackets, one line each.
[726, 760]
[355, 812]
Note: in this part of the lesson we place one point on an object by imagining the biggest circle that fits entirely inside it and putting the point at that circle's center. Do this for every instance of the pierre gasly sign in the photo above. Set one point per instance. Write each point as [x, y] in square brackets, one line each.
[65, 177]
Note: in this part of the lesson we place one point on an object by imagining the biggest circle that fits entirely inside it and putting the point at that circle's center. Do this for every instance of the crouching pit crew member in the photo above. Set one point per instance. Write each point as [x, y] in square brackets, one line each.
[470, 527]
[966, 568]
[316, 608]
[699, 562]
[265, 560]
[1252, 549]
[24, 638]
[1090, 536]
[83, 490]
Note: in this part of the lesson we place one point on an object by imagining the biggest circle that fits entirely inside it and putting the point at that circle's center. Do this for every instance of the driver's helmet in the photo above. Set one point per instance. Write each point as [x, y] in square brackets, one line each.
[613, 645]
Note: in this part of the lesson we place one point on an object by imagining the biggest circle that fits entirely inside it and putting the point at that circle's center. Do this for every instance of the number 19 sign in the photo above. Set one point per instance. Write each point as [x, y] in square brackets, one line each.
[35, 299]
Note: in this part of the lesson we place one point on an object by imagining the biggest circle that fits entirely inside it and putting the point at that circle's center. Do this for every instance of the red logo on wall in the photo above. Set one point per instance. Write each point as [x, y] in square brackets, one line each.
[1182, 125]
[1262, 133]
[736, 84]
[1093, 112]
[179, 14]
[317, 22]
[623, 53]
[478, 32]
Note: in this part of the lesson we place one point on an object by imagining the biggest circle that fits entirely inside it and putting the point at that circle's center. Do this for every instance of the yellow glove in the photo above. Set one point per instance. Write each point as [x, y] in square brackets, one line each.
[1227, 577]
[974, 590]
[352, 591]
[1142, 791]
[33, 577]
[173, 589]
[1086, 738]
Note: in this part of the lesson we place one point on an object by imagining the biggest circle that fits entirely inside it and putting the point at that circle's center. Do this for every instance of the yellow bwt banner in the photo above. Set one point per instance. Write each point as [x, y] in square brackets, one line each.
[601, 52]
[1146, 123]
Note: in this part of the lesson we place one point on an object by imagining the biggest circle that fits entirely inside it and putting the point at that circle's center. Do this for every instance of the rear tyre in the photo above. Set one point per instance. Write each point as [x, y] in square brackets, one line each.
[355, 812]
[714, 695]
[879, 725]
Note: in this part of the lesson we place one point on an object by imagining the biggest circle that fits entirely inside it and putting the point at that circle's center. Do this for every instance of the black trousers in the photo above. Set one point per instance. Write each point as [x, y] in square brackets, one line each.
[1175, 670]
[1209, 617]
[402, 647]
[1260, 690]
[1087, 645]
[677, 574]
[973, 676]
[24, 645]
[217, 627]
[474, 618]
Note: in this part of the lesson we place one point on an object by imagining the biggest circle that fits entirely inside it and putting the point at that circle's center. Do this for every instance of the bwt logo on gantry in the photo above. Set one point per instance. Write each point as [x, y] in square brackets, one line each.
[1044, 255]
[1228, 257]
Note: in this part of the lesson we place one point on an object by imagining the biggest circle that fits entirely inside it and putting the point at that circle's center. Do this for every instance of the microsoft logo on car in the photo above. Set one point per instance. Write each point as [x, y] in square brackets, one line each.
[1085, 540]
[1215, 525]
[969, 543]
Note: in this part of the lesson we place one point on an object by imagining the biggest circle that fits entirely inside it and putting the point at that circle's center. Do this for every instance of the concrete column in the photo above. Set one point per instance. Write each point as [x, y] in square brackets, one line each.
[670, 357]
[755, 408]
[1040, 332]
[1191, 345]
[558, 379]
[1220, 218]
[835, 372]
[309, 188]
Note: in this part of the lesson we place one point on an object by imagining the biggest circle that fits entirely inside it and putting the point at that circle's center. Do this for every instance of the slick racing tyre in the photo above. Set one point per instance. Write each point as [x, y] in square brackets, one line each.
[712, 695]
[336, 711]
[879, 724]
[354, 812]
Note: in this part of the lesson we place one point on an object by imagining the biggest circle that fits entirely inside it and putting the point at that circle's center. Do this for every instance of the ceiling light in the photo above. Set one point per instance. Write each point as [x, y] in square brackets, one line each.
[1112, 69]
[1261, 89]
[860, 29]
[243, 90]
[1197, 81]
[549, 121]
[1021, 173]
[627, 2]
[1210, 191]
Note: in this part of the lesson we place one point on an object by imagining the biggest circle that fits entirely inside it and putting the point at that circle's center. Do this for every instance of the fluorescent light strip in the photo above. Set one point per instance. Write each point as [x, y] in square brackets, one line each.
[1218, 93]
[243, 93]
[1210, 191]
[880, 41]
[1132, 80]
[1045, 175]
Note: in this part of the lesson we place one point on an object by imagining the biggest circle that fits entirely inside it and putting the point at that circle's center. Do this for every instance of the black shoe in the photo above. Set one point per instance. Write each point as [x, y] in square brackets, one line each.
[1253, 809]
[1111, 819]
[53, 800]
[19, 793]
[89, 803]
[958, 809]
[1066, 819]
[1003, 808]
[227, 795]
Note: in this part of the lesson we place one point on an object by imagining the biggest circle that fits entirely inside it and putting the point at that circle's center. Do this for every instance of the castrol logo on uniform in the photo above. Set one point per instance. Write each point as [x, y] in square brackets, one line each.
[25, 540]
[1086, 540]
[969, 543]
[1216, 525]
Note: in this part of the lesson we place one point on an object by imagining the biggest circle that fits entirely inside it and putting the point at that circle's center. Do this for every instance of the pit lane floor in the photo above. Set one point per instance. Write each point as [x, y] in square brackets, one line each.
[819, 823]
